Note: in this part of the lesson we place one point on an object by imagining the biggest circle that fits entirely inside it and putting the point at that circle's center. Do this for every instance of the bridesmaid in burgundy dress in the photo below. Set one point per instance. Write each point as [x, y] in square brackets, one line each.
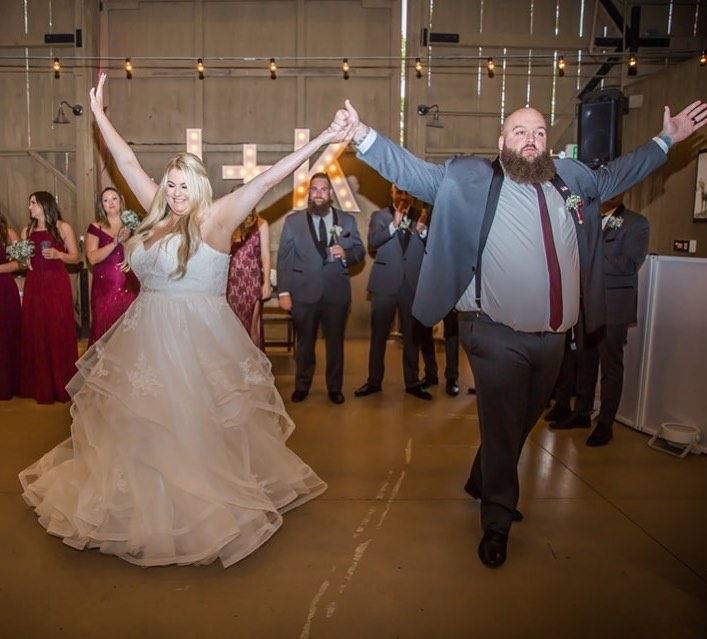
[48, 349]
[249, 275]
[9, 317]
[112, 290]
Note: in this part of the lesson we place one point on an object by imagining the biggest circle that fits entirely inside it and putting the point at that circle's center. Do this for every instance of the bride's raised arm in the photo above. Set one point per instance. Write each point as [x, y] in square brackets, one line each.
[230, 210]
[140, 183]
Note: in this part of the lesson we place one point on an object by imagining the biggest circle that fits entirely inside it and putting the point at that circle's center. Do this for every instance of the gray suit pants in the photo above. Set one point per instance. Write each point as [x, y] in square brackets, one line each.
[383, 309]
[515, 373]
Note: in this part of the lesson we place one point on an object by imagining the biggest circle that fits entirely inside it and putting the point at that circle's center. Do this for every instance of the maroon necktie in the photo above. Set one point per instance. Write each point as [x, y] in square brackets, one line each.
[553, 265]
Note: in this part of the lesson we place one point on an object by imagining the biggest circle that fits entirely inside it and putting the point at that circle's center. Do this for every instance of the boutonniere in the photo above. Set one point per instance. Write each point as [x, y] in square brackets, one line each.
[405, 223]
[337, 232]
[574, 205]
[614, 222]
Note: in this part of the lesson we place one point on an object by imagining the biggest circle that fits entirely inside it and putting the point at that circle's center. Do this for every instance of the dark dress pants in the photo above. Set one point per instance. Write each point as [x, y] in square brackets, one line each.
[383, 309]
[515, 373]
[567, 379]
[451, 346]
[606, 349]
[424, 338]
[306, 318]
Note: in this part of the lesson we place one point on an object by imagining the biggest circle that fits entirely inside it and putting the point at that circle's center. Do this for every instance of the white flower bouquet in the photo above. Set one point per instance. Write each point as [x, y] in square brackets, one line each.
[20, 251]
[130, 219]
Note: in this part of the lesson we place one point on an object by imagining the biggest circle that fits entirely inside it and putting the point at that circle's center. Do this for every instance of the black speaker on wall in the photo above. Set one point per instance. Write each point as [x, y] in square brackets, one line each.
[599, 126]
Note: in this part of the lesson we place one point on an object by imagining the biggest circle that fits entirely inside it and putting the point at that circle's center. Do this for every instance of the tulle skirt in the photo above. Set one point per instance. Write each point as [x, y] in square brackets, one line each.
[177, 452]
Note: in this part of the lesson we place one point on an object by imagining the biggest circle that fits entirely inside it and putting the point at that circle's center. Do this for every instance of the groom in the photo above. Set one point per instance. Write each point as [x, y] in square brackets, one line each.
[512, 245]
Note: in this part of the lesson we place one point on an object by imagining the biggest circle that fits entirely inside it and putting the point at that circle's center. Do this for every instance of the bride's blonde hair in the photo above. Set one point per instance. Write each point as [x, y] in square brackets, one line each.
[200, 196]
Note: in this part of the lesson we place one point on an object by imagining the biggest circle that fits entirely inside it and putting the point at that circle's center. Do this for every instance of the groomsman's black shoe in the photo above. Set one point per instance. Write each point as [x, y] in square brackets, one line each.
[418, 391]
[575, 420]
[430, 380]
[471, 391]
[601, 435]
[492, 549]
[299, 395]
[557, 413]
[473, 492]
[452, 388]
[337, 398]
[367, 389]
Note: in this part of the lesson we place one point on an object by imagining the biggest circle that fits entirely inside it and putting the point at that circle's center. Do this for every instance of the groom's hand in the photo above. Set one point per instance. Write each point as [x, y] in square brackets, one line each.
[690, 119]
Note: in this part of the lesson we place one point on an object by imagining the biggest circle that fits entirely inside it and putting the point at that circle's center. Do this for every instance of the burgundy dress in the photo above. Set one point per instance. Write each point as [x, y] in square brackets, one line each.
[9, 333]
[48, 347]
[245, 285]
[112, 290]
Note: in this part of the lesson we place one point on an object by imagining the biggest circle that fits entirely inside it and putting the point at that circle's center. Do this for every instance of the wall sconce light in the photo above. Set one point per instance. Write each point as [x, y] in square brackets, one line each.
[61, 118]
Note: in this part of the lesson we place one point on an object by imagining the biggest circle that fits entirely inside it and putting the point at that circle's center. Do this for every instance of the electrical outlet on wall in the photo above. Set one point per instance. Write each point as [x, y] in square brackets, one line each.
[692, 248]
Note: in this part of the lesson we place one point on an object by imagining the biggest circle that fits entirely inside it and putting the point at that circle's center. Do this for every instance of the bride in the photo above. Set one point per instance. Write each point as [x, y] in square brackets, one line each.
[177, 452]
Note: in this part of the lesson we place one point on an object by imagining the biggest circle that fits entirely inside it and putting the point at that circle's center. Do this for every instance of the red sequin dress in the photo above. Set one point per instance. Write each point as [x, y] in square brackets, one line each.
[112, 290]
[245, 285]
[48, 349]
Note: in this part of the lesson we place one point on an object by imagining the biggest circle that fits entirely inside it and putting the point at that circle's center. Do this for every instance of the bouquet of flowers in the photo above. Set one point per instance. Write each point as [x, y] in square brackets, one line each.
[130, 219]
[20, 251]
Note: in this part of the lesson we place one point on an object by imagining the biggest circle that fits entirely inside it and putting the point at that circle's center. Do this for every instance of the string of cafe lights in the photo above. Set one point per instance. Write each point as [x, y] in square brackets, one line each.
[558, 63]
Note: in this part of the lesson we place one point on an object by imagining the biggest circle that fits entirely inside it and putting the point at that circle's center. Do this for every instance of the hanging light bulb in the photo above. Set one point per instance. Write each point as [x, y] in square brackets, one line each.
[418, 68]
[128, 69]
[561, 66]
[703, 58]
[56, 66]
[200, 68]
[490, 66]
[345, 68]
[273, 69]
[632, 64]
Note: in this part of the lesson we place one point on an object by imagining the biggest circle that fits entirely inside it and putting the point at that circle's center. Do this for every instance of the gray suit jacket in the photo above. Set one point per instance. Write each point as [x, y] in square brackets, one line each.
[625, 250]
[465, 203]
[392, 266]
[301, 270]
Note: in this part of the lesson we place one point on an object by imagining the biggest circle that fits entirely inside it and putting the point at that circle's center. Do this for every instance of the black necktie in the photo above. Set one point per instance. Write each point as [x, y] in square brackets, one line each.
[322, 237]
[553, 264]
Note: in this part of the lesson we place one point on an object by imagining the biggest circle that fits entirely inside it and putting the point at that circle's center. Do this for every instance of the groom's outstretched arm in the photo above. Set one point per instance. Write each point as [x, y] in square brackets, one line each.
[396, 164]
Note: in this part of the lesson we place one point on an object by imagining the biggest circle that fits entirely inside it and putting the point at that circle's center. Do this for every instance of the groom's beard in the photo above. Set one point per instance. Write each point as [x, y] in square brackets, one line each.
[318, 209]
[541, 169]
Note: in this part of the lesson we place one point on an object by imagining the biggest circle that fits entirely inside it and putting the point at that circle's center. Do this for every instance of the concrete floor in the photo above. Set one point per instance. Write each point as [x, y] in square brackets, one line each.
[613, 543]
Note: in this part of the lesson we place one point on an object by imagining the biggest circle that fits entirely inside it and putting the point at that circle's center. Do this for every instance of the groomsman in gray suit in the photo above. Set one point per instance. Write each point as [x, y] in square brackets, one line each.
[625, 234]
[317, 247]
[397, 235]
[512, 245]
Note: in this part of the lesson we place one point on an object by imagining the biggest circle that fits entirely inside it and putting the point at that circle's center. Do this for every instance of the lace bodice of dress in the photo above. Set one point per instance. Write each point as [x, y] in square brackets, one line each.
[207, 270]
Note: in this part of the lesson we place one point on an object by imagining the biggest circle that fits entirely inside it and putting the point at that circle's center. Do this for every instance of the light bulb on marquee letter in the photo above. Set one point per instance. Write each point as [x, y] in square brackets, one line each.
[194, 142]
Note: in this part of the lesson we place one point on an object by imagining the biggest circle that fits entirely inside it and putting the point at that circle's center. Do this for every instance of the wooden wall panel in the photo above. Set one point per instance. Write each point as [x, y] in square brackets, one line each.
[667, 197]
[154, 110]
[250, 28]
[248, 109]
[349, 28]
[152, 29]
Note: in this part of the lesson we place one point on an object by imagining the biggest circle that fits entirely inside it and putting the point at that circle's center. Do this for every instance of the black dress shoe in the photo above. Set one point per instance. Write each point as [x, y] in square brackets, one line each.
[557, 413]
[575, 420]
[472, 491]
[299, 395]
[418, 391]
[430, 380]
[337, 398]
[452, 388]
[492, 549]
[367, 389]
[471, 391]
[601, 435]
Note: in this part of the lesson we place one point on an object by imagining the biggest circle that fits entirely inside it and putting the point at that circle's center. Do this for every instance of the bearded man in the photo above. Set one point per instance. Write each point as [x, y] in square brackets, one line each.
[537, 226]
[317, 247]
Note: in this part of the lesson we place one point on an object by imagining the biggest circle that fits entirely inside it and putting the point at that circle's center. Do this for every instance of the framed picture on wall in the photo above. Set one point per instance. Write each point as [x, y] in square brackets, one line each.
[700, 212]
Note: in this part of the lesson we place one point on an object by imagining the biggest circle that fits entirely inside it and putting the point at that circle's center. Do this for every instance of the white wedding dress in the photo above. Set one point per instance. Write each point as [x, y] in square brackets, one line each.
[177, 452]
